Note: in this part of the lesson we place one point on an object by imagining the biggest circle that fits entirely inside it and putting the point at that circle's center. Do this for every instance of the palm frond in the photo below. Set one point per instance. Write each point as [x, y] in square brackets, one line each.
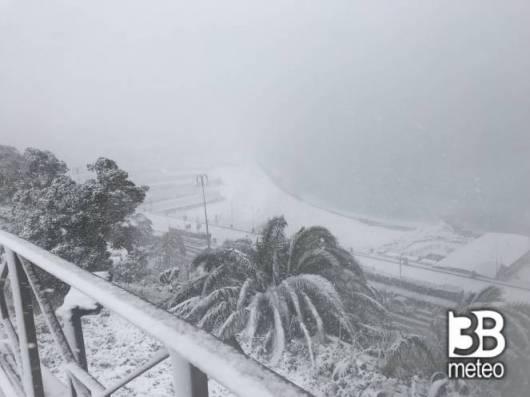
[279, 333]
[182, 309]
[316, 316]
[315, 237]
[243, 293]
[322, 289]
[254, 314]
[212, 278]
[209, 259]
[347, 261]
[292, 247]
[226, 294]
[301, 324]
[372, 302]
[234, 324]
[274, 232]
[401, 354]
[489, 294]
[185, 291]
[215, 315]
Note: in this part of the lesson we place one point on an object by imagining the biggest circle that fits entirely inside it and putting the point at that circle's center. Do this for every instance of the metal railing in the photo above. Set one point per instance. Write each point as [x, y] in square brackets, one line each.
[195, 355]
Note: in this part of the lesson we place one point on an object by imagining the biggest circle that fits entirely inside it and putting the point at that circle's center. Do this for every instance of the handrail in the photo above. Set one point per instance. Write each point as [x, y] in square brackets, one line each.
[240, 374]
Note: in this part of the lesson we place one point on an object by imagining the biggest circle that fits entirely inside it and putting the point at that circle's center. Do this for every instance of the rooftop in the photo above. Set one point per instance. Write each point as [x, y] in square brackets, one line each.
[488, 253]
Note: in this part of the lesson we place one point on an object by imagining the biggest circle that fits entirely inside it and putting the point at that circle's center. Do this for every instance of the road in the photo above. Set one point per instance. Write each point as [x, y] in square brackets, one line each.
[441, 277]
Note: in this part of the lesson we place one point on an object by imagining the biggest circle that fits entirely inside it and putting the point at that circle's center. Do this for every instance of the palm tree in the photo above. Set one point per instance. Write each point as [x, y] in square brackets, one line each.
[278, 289]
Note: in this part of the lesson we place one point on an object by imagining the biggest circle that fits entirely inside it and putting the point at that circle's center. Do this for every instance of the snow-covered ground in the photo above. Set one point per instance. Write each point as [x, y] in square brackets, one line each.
[427, 239]
[251, 197]
[115, 348]
[441, 278]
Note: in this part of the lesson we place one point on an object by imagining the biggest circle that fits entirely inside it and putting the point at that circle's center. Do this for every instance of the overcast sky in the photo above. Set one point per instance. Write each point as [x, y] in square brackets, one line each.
[371, 105]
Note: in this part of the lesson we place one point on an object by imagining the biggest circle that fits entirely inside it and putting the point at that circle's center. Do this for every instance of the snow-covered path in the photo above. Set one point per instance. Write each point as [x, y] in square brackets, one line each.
[441, 278]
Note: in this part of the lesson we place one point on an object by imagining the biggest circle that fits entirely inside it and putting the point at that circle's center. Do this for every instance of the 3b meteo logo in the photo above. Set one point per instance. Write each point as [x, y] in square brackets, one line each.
[474, 341]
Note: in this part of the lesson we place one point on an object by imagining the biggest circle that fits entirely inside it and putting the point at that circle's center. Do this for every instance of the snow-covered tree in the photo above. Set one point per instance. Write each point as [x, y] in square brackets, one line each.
[11, 169]
[72, 220]
[275, 290]
[170, 249]
[133, 232]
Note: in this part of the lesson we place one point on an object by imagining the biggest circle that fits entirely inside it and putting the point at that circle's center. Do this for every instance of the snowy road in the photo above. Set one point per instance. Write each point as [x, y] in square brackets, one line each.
[441, 277]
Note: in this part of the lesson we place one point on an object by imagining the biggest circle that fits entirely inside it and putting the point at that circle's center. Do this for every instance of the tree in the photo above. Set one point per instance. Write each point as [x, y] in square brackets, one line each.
[170, 249]
[72, 220]
[11, 170]
[135, 231]
[275, 290]
[42, 167]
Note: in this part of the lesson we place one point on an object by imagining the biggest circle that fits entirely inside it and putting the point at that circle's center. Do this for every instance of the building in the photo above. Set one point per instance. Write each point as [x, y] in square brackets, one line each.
[494, 255]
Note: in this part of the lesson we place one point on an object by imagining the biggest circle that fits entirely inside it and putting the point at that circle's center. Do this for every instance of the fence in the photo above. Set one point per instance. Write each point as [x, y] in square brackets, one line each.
[195, 355]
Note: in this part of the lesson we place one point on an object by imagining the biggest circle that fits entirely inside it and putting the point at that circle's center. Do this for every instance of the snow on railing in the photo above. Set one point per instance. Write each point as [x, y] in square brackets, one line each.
[195, 354]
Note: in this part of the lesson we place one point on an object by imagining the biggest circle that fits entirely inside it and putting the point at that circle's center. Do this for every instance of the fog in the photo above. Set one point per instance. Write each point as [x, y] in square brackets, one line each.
[405, 109]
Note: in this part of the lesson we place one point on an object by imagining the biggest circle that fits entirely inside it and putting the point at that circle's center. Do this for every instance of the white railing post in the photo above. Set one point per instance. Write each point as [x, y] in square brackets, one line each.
[188, 381]
[29, 351]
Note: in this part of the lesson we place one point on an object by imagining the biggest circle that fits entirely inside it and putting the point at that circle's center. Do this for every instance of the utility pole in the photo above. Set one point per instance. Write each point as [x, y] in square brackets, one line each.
[202, 179]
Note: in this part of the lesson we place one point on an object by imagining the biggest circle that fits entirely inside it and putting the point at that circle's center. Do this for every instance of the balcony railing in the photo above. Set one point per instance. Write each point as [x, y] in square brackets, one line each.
[195, 355]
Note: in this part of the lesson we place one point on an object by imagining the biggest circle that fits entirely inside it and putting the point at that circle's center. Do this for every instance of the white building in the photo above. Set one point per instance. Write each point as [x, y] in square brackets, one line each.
[491, 255]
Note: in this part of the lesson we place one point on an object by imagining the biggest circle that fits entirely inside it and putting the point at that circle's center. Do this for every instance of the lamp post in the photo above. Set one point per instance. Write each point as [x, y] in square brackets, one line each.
[202, 179]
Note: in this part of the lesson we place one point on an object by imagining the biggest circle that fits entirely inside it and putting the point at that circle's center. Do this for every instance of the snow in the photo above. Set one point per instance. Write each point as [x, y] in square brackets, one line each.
[438, 238]
[75, 299]
[441, 278]
[488, 253]
[204, 351]
[114, 349]
[251, 198]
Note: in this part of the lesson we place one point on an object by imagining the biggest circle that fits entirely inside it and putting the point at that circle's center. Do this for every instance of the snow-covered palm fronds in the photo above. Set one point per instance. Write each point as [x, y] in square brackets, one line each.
[408, 354]
[170, 275]
[487, 295]
[278, 290]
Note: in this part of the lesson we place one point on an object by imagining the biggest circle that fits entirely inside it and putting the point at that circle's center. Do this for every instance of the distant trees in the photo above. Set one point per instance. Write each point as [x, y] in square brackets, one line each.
[74, 220]
[134, 235]
[170, 249]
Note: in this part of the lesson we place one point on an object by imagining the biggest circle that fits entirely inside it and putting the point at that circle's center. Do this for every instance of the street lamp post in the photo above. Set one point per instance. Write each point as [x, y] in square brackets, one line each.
[202, 179]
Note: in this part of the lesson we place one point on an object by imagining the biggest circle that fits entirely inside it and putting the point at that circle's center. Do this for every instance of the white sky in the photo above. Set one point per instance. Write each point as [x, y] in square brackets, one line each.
[366, 87]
